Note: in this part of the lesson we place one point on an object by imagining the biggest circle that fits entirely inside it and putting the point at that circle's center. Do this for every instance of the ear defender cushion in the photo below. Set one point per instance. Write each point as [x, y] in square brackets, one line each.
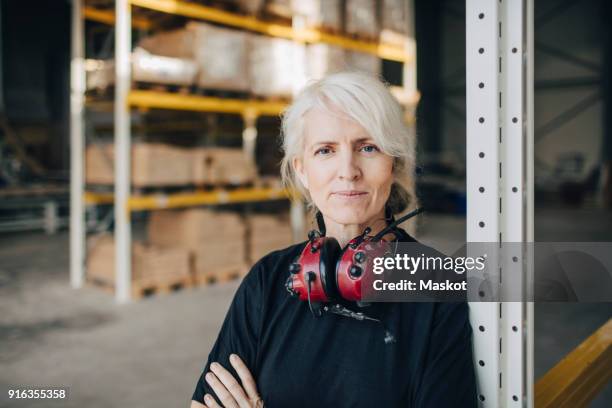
[330, 255]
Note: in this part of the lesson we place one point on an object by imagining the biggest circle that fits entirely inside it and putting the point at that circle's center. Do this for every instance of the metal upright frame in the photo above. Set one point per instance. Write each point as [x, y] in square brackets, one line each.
[499, 92]
[77, 168]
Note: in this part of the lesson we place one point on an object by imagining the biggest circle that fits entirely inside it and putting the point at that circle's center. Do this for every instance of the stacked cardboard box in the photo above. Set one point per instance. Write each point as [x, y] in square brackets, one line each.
[220, 53]
[153, 164]
[268, 233]
[222, 166]
[277, 66]
[150, 264]
[215, 240]
[361, 18]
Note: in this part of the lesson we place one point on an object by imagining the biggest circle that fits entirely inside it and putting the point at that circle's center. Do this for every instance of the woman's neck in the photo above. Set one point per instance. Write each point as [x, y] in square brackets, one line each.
[343, 233]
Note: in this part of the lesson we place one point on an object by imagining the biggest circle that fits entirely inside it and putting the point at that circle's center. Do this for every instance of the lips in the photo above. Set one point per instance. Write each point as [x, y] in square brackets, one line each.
[350, 193]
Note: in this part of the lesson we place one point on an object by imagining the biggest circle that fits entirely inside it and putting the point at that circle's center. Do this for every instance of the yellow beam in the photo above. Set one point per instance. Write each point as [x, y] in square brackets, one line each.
[167, 100]
[178, 200]
[92, 198]
[153, 202]
[197, 11]
[581, 375]
[108, 17]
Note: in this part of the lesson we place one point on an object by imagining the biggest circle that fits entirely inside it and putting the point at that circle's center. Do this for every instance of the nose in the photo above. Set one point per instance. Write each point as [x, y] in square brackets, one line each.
[349, 169]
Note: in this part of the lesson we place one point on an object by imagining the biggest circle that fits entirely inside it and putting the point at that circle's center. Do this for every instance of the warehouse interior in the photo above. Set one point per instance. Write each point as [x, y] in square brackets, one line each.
[204, 98]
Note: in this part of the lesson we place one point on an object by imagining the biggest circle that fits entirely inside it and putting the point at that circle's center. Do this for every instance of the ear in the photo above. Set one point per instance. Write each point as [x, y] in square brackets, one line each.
[298, 165]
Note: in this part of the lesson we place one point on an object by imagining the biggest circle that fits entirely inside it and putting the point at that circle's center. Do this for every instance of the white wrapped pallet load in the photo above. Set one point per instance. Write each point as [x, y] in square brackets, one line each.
[277, 66]
[323, 14]
[364, 62]
[323, 59]
[147, 67]
[361, 18]
[395, 16]
[222, 55]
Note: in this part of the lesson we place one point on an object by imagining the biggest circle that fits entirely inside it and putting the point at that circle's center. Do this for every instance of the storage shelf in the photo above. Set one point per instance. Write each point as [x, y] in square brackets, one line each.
[392, 52]
[179, 200]
[169, 100]
[108, 17]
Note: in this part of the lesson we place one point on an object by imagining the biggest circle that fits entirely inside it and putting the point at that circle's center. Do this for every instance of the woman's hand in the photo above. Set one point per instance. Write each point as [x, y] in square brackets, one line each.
[228, 389]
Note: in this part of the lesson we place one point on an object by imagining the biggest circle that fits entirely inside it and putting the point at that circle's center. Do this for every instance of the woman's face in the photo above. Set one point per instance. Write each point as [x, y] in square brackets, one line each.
[347, 175]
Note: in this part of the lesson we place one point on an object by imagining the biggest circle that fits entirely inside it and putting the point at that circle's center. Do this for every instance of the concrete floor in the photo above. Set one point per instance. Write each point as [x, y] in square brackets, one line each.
[149, 353]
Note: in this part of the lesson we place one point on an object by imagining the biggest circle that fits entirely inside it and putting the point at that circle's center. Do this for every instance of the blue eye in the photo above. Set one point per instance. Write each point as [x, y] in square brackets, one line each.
[369, 148]
[323, 150]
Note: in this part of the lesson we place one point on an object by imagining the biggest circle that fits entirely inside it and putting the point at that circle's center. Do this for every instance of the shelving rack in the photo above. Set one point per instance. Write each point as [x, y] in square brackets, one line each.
[126, 98]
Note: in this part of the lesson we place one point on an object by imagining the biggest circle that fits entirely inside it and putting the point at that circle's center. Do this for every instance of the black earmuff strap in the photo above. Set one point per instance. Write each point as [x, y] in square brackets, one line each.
[320, 223]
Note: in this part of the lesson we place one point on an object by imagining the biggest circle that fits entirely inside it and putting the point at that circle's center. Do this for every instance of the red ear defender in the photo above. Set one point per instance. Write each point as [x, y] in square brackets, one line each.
[326, 273]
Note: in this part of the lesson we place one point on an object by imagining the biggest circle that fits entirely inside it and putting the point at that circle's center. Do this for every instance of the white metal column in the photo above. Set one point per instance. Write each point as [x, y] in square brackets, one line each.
[77, 101]
[123, 45]
[499, 187]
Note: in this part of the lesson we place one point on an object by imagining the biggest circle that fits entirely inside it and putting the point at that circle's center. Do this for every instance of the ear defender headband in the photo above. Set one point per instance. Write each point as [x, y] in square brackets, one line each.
[326, 273]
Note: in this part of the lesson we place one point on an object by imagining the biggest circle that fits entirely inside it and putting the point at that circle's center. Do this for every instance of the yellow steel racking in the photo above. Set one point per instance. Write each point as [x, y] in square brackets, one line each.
[126, 98]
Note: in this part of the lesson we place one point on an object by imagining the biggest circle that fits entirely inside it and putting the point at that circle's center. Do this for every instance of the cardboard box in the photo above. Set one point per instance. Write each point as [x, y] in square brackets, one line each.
[268, 233]
[153, 164]
[174, 43]
[149, 263]
[222, 166]
[215, 239]
[194, 227]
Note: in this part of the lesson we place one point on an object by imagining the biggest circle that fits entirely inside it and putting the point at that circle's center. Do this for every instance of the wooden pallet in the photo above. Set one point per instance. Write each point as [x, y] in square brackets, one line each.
[220, 275]
[147, 287]
[157, 87]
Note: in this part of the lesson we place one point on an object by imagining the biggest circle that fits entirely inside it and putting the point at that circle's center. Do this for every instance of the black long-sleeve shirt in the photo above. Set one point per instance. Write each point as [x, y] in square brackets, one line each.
[335, 361]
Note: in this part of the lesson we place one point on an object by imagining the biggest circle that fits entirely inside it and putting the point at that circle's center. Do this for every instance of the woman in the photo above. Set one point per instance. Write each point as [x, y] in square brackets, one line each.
[349, 154]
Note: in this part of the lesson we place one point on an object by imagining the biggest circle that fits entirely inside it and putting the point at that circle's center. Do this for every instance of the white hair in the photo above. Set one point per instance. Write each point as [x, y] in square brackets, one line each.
[369, 102]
